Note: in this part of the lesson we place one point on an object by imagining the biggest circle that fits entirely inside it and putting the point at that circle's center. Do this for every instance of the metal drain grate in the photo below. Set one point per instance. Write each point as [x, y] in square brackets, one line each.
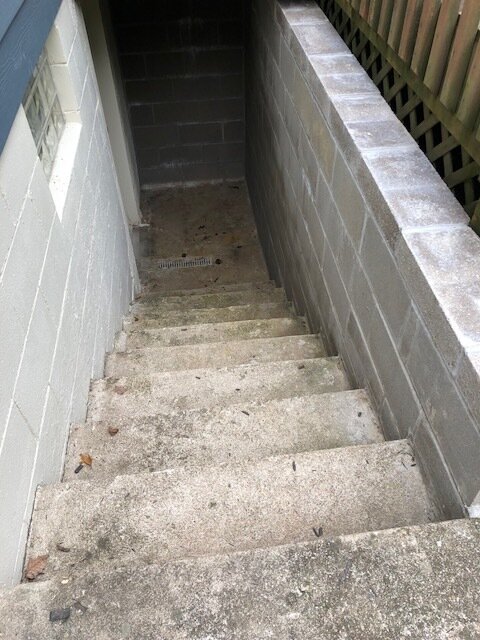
[184, 263]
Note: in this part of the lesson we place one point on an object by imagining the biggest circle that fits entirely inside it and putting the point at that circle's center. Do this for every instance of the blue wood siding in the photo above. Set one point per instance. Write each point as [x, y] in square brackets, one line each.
[24, 27]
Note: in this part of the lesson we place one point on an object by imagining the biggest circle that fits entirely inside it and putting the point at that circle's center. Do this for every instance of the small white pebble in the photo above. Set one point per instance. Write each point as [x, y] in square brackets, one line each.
[65, 581]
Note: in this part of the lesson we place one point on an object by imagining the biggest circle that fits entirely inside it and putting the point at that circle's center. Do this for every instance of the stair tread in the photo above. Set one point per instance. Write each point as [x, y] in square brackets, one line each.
[157, 304]
[217, 354]
[253, 311]
[201, 388]
[260, 285]
[248, 431]
[215, 332]
[412, 582]
[223, 508]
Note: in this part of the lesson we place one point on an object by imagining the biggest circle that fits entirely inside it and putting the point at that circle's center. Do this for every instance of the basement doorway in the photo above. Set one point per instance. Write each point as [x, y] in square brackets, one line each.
[182, 63]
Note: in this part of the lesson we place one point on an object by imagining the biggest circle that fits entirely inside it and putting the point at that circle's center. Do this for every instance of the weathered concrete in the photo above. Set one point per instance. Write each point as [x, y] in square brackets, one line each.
[202, 388]
[165, 281]
[157, 304]
[256, 310]
[248, 255]
[247, 431]
[199, 220]
[214, 332]
[206, 289]
[223, 354]
[220, 509]
[415, 583]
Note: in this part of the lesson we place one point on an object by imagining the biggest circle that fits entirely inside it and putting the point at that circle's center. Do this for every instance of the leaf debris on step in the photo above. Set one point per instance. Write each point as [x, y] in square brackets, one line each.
[86, 459]
[36, 567]
[120, 389]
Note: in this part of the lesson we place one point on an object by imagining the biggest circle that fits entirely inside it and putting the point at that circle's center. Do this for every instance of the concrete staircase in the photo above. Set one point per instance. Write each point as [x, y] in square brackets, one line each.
[235, 479]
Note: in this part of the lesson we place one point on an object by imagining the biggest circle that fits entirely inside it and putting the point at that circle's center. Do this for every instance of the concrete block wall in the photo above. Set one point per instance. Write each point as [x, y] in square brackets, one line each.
[182, 62]
[67, 275]
[367, 240]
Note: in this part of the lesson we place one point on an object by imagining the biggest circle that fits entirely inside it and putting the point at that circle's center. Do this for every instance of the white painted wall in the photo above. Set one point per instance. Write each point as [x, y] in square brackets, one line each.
[111, 92]
[67, 275]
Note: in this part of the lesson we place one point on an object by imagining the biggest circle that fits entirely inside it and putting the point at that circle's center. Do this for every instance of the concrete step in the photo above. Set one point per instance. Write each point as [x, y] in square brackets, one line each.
[231, 507]
[219, 354]
[237, 287]
[156, 304]
[414, 582]
[164, 281]
[255, 311]
[119, 398]
[214, 332]
[249, 431]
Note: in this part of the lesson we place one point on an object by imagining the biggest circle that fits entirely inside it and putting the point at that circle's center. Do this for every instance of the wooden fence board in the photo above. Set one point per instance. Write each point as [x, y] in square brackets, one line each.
[426, 31]
[444, 32]
[396, 26]
[385, 19]
[460, 54]
[410, 30]
[374, 13]
[469, 108]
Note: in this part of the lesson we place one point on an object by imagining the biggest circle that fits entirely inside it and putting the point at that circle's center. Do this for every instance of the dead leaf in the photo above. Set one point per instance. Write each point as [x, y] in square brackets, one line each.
[120, 389]
[113, 431]
[86, 458]
[35, 567]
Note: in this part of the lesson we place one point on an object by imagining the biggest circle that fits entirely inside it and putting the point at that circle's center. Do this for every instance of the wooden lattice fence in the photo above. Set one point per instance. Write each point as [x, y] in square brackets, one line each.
[424, 56]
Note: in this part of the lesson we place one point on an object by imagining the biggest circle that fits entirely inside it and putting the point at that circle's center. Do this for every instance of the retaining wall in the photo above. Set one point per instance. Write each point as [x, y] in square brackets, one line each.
[367, 239]
[67, 275]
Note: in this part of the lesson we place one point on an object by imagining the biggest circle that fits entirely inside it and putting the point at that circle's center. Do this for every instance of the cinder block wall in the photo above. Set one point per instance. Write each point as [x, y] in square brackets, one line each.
[367, 239]
[182, 62]
[67, 274]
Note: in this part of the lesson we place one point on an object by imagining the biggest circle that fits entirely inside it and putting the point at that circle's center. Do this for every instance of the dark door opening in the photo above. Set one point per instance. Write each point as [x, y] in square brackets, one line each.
[183, 66]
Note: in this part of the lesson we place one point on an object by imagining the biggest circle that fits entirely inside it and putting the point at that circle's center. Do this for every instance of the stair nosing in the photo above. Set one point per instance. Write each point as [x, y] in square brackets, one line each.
[309, 361]
[85, 484]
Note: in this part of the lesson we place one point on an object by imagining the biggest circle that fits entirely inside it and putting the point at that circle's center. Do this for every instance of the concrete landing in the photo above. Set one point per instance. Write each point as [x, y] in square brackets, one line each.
[214, 332]
[117, 398]
[224, 508]
[249, 431]
[417, 583]
[220, 354]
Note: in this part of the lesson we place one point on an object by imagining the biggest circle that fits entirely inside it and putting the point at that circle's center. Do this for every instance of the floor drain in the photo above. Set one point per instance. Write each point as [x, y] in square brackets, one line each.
[184, 263]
